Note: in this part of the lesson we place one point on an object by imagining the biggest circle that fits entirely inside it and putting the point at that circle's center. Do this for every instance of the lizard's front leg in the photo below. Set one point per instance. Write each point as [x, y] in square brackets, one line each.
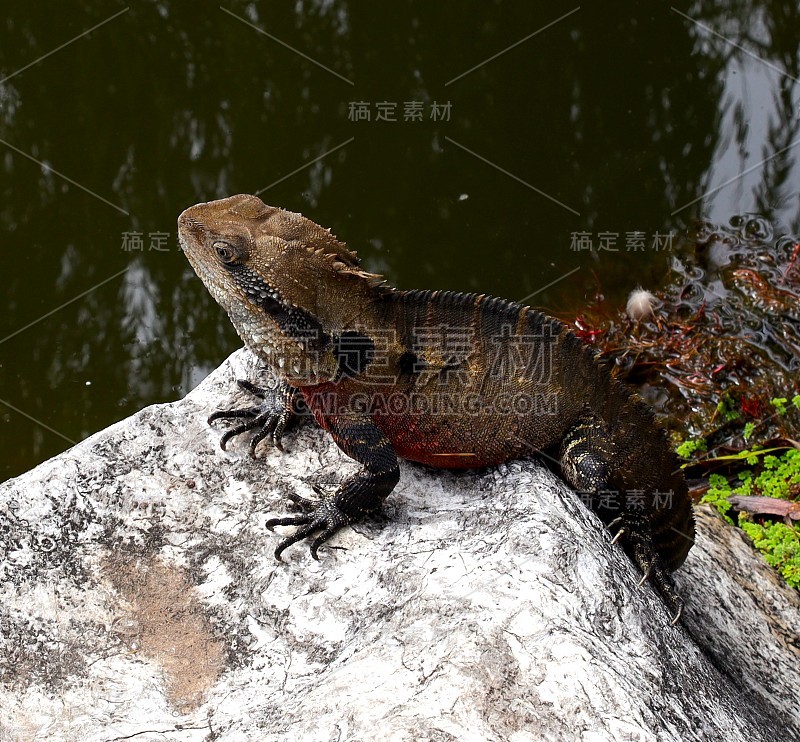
[362, 493]
[280, 404]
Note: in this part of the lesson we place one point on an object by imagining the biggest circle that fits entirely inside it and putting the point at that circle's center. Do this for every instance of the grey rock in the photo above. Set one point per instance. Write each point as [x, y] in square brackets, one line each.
[139, 596]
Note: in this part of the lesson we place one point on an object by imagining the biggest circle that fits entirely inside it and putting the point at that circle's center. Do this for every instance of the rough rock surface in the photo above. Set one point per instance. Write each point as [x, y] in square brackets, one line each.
[139, 598]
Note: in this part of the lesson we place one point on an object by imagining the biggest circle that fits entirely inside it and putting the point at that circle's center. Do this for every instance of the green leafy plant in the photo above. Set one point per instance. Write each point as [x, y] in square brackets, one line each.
[717, 495]
[687, 449]
[781, 403]
[727, 408]
[780, 545]
[778, 477]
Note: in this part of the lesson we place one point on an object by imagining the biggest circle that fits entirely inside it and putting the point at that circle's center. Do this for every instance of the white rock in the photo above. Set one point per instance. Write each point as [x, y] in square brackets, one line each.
[139, 596]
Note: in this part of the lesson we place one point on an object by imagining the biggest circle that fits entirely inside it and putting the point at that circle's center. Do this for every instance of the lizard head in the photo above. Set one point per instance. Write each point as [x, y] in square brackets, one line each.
[291, 289]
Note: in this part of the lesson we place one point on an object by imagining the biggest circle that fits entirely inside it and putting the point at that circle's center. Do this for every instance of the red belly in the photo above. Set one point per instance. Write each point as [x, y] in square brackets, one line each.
[443, 441]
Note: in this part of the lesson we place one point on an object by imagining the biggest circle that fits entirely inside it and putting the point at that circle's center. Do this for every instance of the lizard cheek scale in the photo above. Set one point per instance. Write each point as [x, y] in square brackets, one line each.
[446, 379]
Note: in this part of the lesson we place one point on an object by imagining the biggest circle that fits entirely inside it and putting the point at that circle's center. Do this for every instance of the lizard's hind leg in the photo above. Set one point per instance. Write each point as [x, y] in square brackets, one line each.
[586, 455]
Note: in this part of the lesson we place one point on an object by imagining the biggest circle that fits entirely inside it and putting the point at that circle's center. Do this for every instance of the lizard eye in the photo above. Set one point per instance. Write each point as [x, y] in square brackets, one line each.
[225, 252]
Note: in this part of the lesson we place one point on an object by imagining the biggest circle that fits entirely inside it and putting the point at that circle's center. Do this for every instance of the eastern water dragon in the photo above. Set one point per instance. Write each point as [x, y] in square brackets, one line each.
[442, 378]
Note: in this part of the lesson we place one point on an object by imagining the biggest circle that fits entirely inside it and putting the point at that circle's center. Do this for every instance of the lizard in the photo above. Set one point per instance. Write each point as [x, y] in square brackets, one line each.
[441, 378]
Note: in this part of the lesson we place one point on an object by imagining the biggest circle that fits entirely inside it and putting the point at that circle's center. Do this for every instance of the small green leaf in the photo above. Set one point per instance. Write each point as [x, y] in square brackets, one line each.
[779, 403]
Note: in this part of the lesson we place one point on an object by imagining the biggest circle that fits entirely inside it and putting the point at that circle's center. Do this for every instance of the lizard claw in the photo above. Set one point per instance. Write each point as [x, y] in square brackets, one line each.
[615, 523]
[325, 516]
[270, 418]
[678, 603]
[305, 502]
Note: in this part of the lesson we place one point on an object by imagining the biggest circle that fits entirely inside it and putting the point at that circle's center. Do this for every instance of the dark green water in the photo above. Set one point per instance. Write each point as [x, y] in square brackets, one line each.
[617, 118]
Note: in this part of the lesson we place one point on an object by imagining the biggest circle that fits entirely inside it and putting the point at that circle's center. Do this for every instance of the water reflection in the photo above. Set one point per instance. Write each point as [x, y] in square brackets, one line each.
[758, 111]
[624, 112]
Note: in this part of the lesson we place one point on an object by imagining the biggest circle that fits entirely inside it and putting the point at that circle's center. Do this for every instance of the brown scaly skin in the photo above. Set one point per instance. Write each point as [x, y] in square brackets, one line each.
[446, 379]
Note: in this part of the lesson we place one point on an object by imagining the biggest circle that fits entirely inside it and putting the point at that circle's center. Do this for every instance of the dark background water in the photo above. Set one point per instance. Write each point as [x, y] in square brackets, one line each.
[519, 127]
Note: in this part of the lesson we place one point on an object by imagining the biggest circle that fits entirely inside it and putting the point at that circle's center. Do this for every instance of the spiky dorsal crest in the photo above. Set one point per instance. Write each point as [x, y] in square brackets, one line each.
[318, 241]
[349, 266]
[322, 242]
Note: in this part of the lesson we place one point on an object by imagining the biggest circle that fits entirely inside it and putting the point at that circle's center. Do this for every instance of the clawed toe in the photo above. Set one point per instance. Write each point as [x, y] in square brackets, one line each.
[288, 520]
[255, 422]
[248, 412]
[678, 612]
[304, 502]
[321, 539]
[256, 391]
[272, 427]
[298, 535]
